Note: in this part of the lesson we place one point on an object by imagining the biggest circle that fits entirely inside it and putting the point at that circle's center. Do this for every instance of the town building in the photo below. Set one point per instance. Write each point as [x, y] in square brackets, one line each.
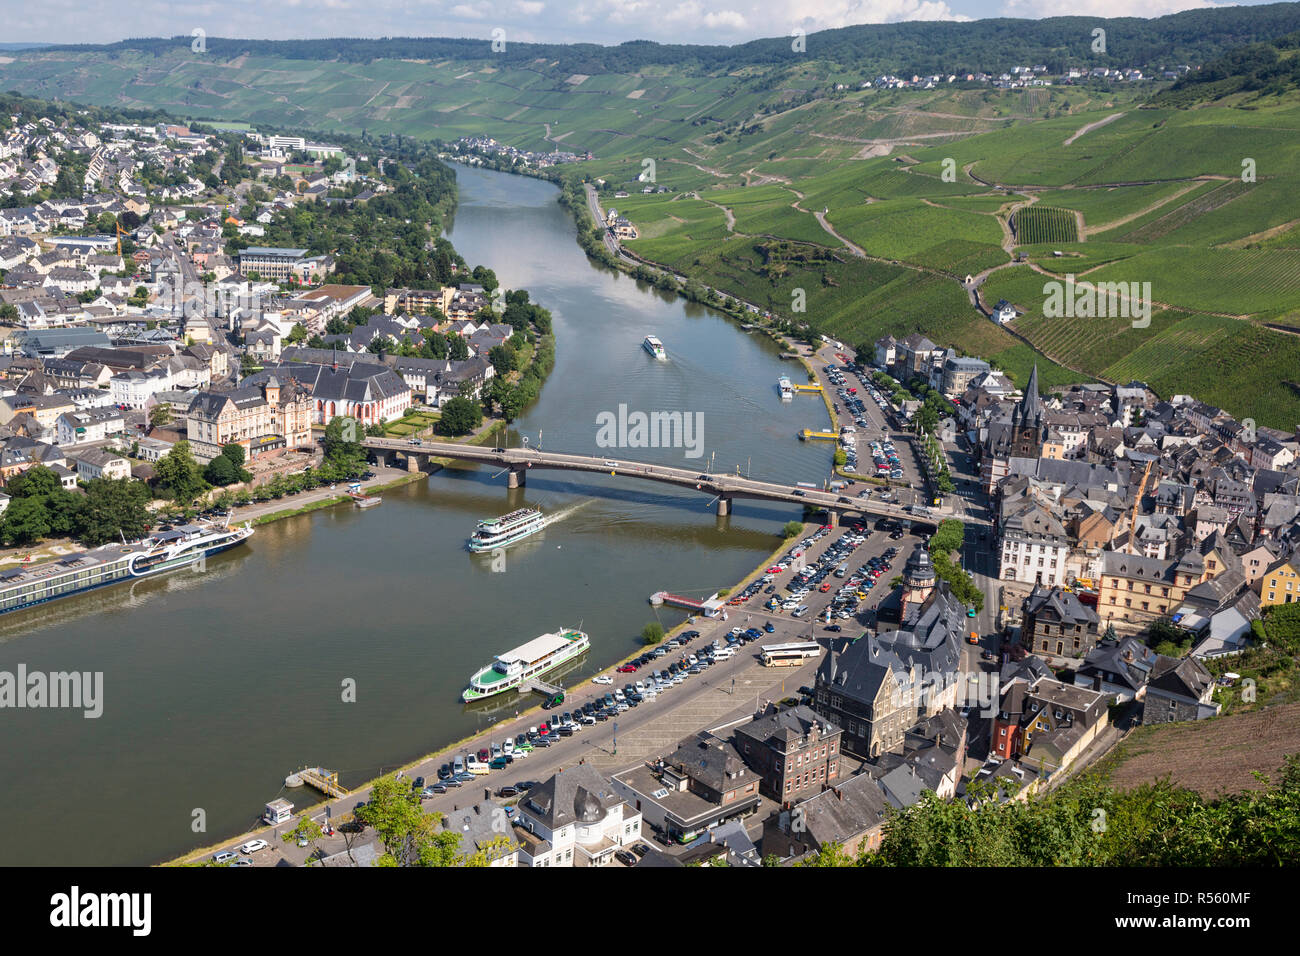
[794, 751]
[263, 419]
[575, 818]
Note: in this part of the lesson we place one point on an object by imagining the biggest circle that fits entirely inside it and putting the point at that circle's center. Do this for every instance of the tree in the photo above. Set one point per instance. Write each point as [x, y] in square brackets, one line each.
[343, 448]
[160, 415]
[841, 457]
[220, 471]
[113, 509]
[235, 453]
[792, 529]
[829, 854]
[179, 475]
[25, 521]
[512, 403]
[948, 537]
[457, 348]
[35, 482]
[503, 359]
[408, 834]
[307, 829]
[460, 416]
[652, 633]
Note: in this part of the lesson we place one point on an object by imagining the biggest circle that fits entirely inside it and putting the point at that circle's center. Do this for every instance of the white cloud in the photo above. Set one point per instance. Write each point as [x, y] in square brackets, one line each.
[725, 19]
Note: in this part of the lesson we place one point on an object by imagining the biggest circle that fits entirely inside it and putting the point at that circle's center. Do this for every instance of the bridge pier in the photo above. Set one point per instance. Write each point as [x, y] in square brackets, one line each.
[518, 478]
[833, 517]
[412, 462]
[724, 506]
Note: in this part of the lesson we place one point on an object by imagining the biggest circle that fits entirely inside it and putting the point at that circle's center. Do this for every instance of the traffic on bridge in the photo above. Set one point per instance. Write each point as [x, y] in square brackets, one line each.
[723, 487]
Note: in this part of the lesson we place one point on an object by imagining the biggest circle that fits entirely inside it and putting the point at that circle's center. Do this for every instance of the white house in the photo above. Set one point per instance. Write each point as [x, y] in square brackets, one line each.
[133, 388]
[97, 463]
[574, 819]
[87, 425]
[1034, 546]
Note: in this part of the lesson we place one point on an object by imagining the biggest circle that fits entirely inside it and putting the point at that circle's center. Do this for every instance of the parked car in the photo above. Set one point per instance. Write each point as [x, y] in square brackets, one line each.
[252, 846]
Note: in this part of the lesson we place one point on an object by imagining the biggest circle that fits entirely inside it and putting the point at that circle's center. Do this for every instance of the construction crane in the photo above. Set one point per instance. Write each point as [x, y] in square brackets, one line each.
[120, 233]
[1137, 503]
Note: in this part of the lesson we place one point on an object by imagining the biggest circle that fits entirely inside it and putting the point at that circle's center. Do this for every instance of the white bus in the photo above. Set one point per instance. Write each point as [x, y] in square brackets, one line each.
[789, 655]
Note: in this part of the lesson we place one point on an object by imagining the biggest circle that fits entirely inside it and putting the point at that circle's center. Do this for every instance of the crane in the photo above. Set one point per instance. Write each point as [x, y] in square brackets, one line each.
[120, 233]
[1137, 503]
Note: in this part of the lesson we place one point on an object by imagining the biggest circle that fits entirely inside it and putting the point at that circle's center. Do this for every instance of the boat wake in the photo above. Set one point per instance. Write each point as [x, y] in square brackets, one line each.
[564, 513]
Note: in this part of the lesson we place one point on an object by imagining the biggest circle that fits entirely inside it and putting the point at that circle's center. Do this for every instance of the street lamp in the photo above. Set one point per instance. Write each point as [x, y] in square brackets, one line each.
[616, 737]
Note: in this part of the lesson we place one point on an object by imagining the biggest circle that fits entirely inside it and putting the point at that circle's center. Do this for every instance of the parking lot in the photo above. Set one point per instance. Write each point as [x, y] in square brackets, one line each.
[865, 420]
[707, 676]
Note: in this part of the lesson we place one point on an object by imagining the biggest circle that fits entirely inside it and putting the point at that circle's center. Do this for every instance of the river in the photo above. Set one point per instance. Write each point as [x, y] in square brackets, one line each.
[218, 683]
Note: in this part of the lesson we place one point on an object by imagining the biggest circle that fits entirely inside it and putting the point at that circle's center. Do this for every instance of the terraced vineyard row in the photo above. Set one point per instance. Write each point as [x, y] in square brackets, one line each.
[1037, 223]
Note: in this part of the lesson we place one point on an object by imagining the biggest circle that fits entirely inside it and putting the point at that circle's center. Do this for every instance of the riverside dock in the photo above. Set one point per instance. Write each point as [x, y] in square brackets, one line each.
[318, 778]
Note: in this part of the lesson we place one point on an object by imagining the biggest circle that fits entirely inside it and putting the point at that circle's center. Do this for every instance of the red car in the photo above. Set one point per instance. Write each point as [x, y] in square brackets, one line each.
[774, 570]
[484, 755]
[627, 669]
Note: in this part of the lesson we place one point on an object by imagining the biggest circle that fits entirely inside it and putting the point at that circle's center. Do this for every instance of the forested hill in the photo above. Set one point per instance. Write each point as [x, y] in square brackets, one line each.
[1264, 69]
[1191, 37]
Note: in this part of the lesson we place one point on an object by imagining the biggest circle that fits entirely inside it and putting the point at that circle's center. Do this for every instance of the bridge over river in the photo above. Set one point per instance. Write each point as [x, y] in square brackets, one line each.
[723, 488]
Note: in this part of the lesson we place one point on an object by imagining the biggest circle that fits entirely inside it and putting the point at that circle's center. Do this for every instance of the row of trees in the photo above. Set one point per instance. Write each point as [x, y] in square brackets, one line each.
[40, 507]
[947, 540]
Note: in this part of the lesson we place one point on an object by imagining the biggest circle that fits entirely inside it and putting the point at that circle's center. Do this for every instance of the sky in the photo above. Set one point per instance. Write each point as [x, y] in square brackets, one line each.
[553, 21]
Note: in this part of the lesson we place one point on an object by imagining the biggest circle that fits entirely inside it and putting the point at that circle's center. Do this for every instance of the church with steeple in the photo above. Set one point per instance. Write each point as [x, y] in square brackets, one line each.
[1020, 434]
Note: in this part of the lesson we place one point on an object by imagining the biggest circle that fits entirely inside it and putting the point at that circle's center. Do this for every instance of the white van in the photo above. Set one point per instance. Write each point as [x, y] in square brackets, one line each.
[800, 611]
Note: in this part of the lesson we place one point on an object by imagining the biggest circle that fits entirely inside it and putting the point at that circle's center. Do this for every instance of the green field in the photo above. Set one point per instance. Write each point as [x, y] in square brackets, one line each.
[916, 179]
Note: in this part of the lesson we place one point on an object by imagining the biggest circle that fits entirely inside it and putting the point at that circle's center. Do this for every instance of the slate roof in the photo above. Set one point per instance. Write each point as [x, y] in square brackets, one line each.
[711, 761]
[786, 729]
[580, 793]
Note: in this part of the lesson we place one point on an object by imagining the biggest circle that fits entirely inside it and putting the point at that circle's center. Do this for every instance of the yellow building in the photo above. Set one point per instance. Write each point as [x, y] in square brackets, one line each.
[1280, 584]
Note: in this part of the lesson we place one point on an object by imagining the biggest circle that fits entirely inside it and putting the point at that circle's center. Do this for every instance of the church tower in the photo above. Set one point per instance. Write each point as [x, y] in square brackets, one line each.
[1028, 430]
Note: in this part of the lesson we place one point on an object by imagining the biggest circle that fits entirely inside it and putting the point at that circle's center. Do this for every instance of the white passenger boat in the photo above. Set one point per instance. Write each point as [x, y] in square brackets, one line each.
[516, 667]
[492, 533]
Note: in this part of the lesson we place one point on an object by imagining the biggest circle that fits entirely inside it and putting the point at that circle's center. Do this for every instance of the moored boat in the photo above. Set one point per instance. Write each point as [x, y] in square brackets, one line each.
[517, 667]
[184, 546]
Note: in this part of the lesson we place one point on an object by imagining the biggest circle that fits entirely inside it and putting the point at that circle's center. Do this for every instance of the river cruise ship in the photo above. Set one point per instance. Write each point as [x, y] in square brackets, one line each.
[492, 533]
[787, 389]
[31, 584]
[515, 668]
[654, 347]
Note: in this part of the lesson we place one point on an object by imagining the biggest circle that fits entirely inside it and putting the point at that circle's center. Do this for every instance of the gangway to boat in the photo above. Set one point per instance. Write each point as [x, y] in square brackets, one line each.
[809, 433]
[542, 687]
[318, 778]
[709, 607]
[807, 388]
